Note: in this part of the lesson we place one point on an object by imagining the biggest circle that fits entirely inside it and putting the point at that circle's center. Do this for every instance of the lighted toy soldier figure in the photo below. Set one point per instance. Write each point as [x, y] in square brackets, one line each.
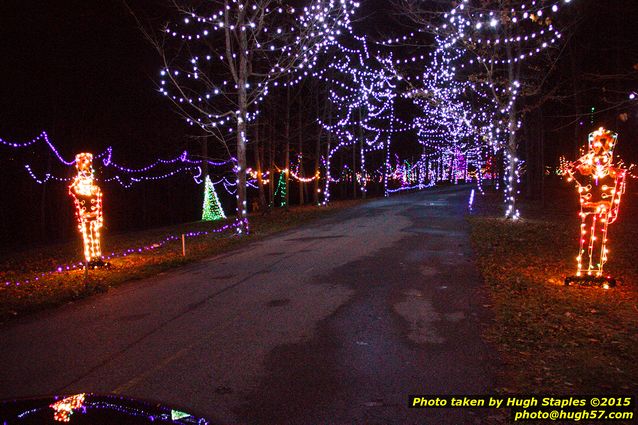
[88, 208]
[601, 185]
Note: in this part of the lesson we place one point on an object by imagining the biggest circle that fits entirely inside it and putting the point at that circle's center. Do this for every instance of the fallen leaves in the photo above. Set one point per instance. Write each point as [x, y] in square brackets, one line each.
[63, 287]
[554, 338]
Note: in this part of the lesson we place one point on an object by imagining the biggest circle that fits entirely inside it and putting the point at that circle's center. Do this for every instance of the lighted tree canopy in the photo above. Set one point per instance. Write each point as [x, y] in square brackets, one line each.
[263, 77]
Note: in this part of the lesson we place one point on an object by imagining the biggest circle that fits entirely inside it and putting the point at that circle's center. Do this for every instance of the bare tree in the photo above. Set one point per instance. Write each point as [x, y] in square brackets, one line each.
[495, 41]
[222, 57]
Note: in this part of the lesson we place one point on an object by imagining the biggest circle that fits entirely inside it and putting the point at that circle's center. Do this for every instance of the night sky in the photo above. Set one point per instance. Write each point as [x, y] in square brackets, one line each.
[83, 73]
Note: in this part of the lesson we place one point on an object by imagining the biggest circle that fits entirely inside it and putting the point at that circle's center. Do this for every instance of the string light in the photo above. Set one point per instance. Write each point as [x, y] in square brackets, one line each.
[416, 186]
[125, 176]
[212, 209]
[86, 403]
[281, 188]
[456, 130]
[462, 125]
[468, 40]
[87, 197]
[600, 185]
[470, 202]
[364, 88]
[239, 225]
[41, 137]
[227, 60]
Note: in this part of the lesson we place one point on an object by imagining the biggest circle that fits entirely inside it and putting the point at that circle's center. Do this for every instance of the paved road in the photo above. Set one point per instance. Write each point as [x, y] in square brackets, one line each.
[336, 322]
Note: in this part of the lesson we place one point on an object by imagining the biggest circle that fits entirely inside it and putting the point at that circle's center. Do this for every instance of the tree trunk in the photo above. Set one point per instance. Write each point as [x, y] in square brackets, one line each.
[363, 160]
[205, 157]
[241, 126]
[541, 158]
[386, 150]
[326, 192]
[204, 166]
[271, 164]
[260, 181]
[300, 172]
[354, 170]
[342, 177]
[315, 186]
[510, 175]
[287, 150]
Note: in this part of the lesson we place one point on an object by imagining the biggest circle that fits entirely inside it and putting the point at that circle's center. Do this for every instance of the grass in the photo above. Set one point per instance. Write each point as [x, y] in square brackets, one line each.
[552, 338]
[58, 288]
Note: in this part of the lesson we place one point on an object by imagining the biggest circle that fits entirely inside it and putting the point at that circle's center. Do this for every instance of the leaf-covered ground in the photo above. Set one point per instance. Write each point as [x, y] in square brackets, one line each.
[58, 288]
[552, 338]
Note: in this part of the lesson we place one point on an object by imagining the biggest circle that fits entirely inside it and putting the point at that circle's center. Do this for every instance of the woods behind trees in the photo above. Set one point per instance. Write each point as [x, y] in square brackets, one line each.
[278, 138]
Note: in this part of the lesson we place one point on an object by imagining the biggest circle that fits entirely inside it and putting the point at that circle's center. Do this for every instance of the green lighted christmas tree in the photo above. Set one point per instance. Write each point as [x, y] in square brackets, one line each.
[212, 207]
[281, 189]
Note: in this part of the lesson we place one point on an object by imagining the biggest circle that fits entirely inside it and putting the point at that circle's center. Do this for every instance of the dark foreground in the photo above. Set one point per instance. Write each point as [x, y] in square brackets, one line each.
[337, 322]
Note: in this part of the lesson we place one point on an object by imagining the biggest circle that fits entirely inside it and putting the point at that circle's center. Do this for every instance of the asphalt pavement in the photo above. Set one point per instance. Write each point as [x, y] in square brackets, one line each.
[334, 322]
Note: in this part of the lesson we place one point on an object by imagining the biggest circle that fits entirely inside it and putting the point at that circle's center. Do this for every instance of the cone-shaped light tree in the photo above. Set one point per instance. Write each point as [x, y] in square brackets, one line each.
[221, 58]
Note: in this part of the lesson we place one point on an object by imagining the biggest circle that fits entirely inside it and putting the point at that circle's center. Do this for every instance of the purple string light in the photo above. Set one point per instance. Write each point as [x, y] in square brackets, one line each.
[107, 160]
[240, 225]
[104, 402]
[416, 186]
[42, 136]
